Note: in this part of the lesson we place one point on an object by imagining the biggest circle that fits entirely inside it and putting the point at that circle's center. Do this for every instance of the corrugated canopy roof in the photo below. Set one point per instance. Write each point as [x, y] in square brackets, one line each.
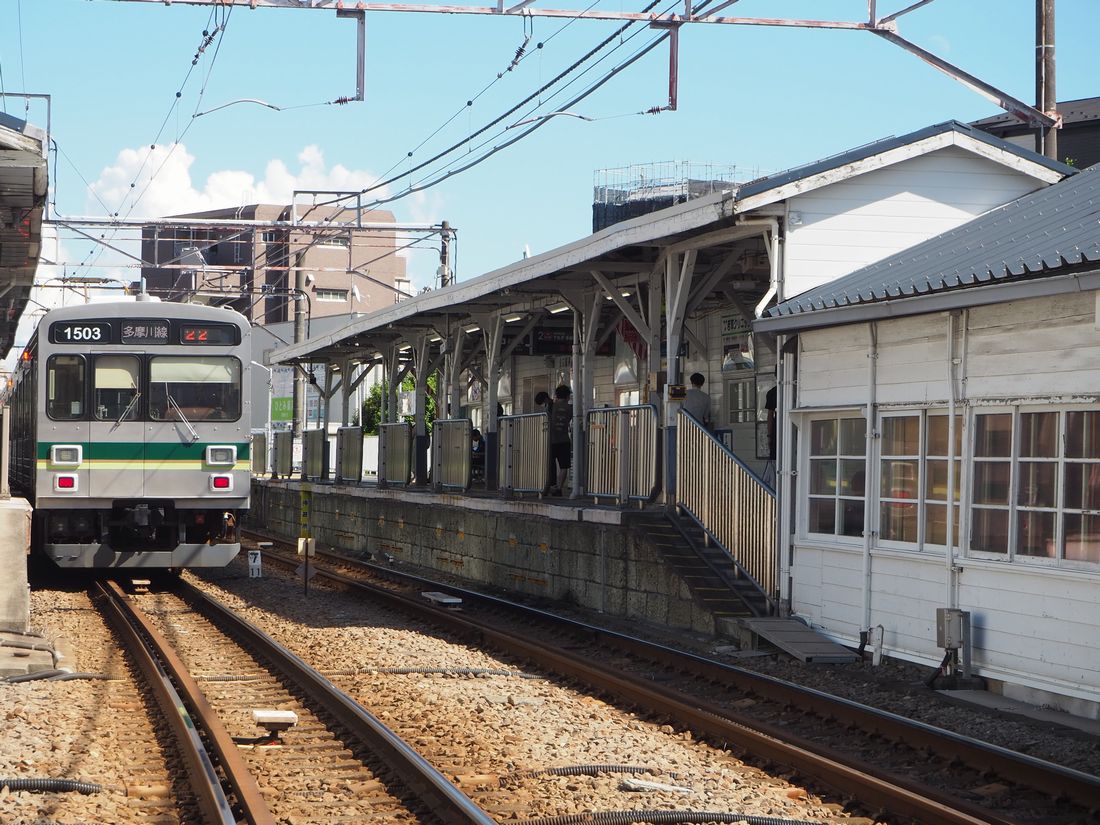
[712, 225]
[1039, 235]
[22, 200]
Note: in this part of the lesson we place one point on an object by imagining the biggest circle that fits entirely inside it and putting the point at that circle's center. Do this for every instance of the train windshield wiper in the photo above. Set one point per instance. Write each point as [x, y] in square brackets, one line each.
[173, 405]
[130, 406]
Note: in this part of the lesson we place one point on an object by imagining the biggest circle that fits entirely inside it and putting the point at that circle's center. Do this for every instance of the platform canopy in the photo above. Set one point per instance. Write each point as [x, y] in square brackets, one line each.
[23, 182]
[659, 267]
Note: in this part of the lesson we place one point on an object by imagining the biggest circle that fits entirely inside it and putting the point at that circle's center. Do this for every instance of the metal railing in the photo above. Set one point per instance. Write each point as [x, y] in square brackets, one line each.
[451, 453]
[732, 505]
[395, 448]
[622, 453]
[258, 451]
[349, 454]
[314, 443]
[524, 457]
[282, 459]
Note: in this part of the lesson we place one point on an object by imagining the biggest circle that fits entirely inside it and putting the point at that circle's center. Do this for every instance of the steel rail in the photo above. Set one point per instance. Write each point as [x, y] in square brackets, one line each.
[438, 793]
[872, 786]
[186, 714]
[1038, 774]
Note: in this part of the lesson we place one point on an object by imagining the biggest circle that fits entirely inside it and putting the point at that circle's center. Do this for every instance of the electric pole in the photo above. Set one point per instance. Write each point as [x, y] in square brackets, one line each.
[1046, 137]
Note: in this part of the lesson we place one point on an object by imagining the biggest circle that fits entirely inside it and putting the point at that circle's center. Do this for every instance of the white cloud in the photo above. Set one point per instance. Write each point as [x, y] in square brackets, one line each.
[163, 184]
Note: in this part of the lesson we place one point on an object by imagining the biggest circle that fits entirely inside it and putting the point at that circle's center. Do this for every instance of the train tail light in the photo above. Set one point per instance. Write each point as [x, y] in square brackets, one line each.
[65, 483]
[221, 483]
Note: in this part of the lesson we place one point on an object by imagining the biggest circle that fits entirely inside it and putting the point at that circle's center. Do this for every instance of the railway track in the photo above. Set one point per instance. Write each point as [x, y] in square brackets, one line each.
[889, 763]
[215, 675]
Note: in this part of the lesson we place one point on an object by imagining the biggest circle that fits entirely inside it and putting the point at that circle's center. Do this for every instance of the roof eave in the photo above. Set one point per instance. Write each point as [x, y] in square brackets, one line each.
[985, 295]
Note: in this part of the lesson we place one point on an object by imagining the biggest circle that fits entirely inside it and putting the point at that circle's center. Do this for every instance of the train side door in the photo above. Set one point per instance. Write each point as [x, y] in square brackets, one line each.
[118, 470]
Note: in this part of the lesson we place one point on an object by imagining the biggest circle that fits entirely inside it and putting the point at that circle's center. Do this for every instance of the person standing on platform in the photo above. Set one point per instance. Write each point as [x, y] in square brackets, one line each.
[561, 443]
[696, 401]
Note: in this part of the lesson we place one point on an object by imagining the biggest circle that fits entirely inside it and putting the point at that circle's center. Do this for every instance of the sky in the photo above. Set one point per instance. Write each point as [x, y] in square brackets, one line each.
[121, 80]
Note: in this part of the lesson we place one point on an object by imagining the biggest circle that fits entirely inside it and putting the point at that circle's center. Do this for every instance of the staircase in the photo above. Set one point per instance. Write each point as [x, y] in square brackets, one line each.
[713, 577]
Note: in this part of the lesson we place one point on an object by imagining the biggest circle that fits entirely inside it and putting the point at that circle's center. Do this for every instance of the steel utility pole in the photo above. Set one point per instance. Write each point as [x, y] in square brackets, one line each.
[300, 334]
[1046, 137]
[445, 254]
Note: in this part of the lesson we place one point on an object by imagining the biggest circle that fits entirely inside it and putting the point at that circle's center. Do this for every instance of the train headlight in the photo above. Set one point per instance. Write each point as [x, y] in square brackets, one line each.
[66, 455]
[65, 483]
[221, 455]
[221, 483]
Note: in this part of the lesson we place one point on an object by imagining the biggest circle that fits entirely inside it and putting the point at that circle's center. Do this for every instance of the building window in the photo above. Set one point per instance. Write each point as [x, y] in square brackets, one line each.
[837, 457]
[741, 401]
[913, 478]
[331, 294]
[1081, 508]
[934, 498]
[1036, 490]
[341, 241]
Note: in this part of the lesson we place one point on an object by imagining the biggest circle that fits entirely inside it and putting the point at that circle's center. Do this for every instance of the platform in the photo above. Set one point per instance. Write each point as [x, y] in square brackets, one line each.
[793, 637]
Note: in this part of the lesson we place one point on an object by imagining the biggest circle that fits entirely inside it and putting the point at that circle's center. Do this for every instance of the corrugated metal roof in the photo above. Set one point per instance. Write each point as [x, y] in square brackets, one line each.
[1036, 236]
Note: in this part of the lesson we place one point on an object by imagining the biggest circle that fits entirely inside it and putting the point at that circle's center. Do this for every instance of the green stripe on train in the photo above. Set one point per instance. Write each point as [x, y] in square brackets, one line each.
[136, 450]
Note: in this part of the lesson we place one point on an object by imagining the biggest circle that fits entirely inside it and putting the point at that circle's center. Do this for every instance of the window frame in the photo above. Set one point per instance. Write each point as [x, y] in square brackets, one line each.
[234, 415]
[137, 413]
[922, 500]
[1062, 464]
[805, 462]
[83, 395]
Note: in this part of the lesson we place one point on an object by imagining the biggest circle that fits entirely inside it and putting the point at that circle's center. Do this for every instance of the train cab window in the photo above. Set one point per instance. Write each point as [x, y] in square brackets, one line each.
[115, 387]
[65, 387]
[194, 388]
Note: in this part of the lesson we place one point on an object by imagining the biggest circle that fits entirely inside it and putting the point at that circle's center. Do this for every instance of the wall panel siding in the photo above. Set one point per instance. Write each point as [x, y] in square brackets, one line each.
[858, 221]
[832, 367]
[1042, 346]
[1034, 625]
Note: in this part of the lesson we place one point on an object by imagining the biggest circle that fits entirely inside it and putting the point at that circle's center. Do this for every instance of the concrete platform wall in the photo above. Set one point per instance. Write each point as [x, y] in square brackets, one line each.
[15, 541]
[600, 566]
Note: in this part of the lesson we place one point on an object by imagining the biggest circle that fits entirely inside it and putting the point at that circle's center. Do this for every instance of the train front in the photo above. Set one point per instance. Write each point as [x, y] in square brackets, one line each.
[143, 435]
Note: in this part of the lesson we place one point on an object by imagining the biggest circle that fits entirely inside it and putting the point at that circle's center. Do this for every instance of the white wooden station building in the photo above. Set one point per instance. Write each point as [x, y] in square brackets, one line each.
[941, 446]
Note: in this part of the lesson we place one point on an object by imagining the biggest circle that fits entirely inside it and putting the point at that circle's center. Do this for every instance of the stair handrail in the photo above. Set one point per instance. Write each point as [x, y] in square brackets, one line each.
[730, 502]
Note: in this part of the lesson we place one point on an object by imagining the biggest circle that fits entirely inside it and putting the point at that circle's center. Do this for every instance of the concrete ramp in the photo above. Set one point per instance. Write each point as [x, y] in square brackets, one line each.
[793, 637]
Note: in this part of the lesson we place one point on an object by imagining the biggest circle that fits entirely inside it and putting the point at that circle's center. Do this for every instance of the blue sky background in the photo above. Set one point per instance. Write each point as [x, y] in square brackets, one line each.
[759, 98]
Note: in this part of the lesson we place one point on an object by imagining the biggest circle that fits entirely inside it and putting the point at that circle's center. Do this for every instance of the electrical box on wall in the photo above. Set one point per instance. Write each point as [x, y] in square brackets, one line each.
[951, 625]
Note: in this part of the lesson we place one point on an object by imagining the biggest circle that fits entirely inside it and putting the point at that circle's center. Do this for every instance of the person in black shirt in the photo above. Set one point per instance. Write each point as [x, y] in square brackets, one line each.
[561, 447]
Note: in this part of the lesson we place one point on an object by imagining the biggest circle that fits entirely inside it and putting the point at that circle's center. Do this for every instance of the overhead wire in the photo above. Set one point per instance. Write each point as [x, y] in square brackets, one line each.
[220, 19]
[421, 186]
[544, 87]
[520, 55]
[424, 183]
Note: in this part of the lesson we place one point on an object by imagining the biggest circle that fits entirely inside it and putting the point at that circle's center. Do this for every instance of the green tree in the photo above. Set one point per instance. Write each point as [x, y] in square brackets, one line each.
[372, 405]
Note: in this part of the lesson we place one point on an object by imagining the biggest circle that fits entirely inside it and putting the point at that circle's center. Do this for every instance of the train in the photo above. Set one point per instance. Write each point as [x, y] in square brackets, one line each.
[130, 425]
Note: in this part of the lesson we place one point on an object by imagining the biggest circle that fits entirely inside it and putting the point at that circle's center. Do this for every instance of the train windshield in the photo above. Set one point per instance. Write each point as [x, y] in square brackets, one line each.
[198, 388]
[65, 387]
[115, 384]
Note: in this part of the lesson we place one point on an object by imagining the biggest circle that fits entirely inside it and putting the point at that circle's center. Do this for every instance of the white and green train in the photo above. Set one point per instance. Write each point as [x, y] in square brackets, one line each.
[130, 434]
